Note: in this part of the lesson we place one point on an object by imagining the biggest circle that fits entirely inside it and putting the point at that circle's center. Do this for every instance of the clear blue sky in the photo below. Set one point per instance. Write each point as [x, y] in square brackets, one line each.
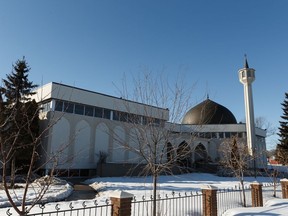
[91, 44]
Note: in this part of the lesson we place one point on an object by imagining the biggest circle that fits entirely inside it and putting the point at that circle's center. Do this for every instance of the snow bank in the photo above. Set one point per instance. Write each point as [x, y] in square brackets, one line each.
[56, 192]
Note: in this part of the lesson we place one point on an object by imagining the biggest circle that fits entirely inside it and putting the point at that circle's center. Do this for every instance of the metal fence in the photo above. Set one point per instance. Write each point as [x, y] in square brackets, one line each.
[73, 209]
[170, 205]
[233, 198]
[190, 204]
[271, 190]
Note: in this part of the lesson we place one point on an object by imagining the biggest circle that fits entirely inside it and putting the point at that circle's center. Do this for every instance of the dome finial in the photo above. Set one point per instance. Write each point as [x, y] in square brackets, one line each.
[245, 62]
[207, 96]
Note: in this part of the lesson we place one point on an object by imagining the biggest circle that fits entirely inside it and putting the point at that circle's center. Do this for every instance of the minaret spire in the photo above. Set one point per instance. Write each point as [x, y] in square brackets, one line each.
[246, 62]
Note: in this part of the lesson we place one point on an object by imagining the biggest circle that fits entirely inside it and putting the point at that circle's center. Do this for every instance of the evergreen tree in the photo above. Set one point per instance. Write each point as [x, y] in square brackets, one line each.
[17, 86]
[20, 116]
[282, 147]
[27, 132]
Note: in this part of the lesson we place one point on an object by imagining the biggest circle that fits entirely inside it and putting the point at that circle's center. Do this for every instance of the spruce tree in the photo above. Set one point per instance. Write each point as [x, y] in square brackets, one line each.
[21, 115]
[282, 147]
[17, 86]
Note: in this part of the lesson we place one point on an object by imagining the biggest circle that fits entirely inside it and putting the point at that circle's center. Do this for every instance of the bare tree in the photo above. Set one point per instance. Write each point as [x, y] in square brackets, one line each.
[263, 123]
[21, 138]
[151, 142]
[8, 146]
[235, 160]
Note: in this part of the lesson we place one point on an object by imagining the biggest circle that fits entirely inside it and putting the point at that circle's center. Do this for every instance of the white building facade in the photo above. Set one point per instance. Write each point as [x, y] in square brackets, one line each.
[83, 124]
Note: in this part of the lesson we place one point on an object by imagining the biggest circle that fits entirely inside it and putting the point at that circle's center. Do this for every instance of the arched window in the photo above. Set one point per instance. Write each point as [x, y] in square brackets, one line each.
[184, 154]
[200, 153]
[170, 152]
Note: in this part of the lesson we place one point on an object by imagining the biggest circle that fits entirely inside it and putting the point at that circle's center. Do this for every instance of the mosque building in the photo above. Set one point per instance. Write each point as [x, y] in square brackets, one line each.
[82, 124]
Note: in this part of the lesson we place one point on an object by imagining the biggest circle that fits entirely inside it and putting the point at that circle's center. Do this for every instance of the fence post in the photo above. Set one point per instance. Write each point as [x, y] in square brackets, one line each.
[256, 194]
[284, 186]
[209, 200]
[121, 203]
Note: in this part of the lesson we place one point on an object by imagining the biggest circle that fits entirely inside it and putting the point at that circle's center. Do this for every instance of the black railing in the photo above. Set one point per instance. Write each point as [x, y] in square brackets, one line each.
[73, 209]
[167, 205]
[170, 205]
[233, 198]
[271, 190]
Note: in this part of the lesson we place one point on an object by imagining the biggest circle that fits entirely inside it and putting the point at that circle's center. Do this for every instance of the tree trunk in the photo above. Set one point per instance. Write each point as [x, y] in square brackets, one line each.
[275, 174]
[6, 188]
[243, 192]
[12, 173]
[154, 194]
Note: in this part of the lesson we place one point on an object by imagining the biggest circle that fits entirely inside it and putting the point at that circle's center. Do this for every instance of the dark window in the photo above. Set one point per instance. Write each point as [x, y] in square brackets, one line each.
[116, 115]
[144, 120]
[59, 106]
[201, 135]
[106, 114]
[150, 121]
[214, 135]
[170, 152]
[68, 107]
[137, 119]
[84, 172]
[102, 113]
[123, 117]
[227, 134]
[208, 135]
[62, 173]
[89, 110]
[45, 107]
[79, 109]
[157, 121]
[221, 135]
[132, 118]
[73, 172]
[98, 112]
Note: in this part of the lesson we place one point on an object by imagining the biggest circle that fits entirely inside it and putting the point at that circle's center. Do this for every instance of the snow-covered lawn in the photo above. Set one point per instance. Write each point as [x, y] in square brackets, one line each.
[272, 207]
[54, 193]
[139, 186]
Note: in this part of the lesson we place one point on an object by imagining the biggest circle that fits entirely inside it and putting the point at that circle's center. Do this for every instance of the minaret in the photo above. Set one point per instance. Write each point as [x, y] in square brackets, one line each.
[246, 77]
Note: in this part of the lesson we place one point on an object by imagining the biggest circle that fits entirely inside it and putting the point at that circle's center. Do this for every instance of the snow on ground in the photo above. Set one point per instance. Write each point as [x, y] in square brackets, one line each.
[139, 186]
[271, 207]
[55, 193]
